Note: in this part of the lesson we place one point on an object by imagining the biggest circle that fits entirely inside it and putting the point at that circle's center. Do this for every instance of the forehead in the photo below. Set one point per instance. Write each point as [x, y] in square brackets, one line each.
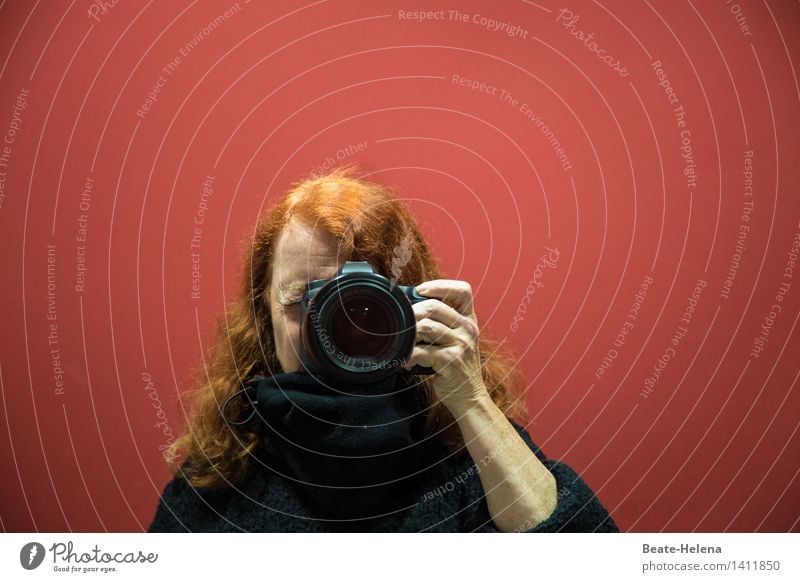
[303, 254]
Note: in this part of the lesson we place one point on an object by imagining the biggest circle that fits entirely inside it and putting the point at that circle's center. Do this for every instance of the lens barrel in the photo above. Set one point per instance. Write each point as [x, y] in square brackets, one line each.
[357, 325]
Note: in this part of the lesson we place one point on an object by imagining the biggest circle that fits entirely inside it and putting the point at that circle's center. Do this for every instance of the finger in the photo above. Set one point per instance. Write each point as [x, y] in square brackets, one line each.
[438, 311]
[456, 293]
[434, 332]
[436, 357]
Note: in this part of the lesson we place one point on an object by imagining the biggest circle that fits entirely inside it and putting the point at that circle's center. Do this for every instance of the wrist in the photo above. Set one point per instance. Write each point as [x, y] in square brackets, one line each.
[479, 404]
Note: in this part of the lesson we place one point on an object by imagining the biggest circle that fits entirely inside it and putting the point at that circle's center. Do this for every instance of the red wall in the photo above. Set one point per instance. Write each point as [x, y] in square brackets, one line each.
[274, 90]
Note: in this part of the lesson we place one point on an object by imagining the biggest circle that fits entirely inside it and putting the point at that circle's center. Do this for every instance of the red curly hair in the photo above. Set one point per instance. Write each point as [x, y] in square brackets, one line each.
[370, 224]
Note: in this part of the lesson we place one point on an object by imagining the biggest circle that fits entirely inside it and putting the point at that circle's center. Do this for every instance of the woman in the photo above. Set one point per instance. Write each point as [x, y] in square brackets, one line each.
[270, 448]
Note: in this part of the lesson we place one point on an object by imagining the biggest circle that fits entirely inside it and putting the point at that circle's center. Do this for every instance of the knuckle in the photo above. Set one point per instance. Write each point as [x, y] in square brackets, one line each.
[468, 350]
[471, 328]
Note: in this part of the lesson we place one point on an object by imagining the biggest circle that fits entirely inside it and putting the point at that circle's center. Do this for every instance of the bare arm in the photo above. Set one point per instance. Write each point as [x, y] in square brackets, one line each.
[520, 490]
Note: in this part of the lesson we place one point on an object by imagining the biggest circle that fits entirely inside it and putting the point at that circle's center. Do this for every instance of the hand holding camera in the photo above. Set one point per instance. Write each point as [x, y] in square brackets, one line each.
[448, 331]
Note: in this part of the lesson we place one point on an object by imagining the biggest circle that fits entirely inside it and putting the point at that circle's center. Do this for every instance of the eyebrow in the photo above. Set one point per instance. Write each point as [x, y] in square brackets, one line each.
[291, 293]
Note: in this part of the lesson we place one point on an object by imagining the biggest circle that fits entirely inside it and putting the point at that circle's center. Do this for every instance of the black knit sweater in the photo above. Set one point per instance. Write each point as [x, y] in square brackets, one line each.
[446, 497]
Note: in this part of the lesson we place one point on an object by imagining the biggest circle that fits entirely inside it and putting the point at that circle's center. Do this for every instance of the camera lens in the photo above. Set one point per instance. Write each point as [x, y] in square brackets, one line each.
[362, 325]
[356, 325]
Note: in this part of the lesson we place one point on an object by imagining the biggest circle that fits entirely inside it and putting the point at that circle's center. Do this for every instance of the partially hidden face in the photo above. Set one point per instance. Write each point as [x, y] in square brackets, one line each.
[302, 254]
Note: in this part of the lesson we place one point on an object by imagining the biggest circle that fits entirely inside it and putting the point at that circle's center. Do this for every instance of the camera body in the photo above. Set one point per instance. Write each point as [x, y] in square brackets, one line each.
[358, 325]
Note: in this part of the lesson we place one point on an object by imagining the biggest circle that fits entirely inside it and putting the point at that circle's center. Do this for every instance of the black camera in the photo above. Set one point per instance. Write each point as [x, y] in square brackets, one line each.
[358, 326]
